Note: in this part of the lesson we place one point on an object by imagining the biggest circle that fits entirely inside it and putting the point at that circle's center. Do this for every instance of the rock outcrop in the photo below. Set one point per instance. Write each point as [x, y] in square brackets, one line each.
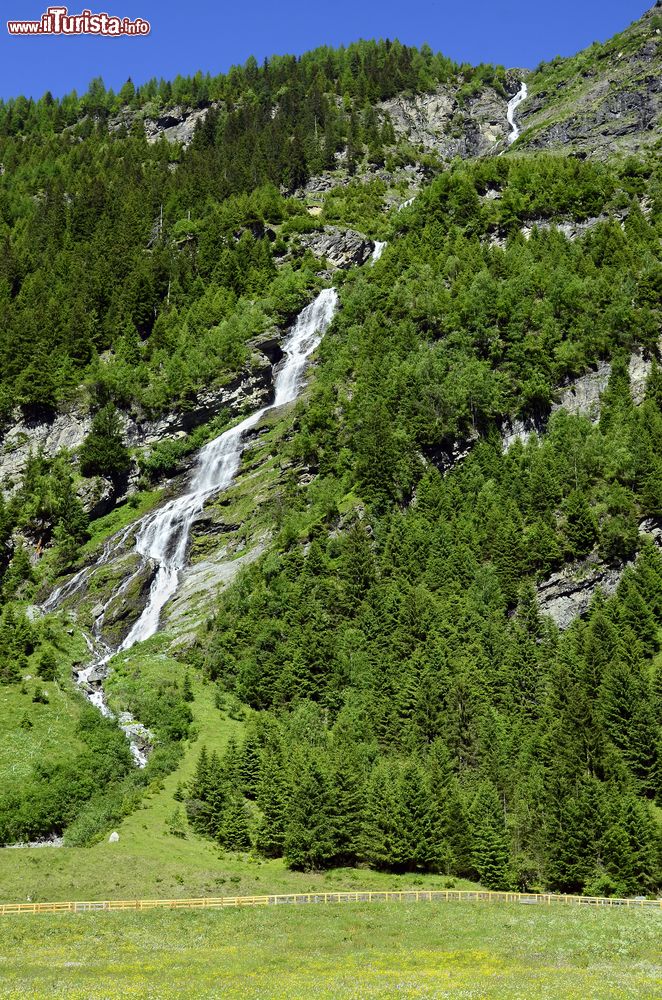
[342, 248]
[125, 607]
[251, 388]
[609, 101]
[175, 124]
[567, 595]
[581, 397]
[439, 122]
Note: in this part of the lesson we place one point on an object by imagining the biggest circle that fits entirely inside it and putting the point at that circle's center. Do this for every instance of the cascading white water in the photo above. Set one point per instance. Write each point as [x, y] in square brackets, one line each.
[163, 536]
[377, 251]
[513, 105]
[406, 204]
[110, 548]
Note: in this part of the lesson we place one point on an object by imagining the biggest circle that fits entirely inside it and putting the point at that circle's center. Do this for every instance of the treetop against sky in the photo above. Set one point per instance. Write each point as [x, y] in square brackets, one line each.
[211, 36]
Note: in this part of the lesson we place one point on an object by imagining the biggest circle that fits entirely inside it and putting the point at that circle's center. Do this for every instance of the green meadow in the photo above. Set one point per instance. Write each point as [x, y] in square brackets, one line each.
[381, 950]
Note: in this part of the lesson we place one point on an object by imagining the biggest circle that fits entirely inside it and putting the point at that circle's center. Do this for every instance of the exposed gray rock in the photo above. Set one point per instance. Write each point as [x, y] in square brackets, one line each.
[321, 183]
[97, 676]
[342, 248]
[582, 397]
[652, 526]
[251, 388]
[176, 124]
[205, 524]
[67, 430]
[412, 175]
[438, 122]
[140, 736]
[626, 120]
[48, 842]
[200, 585]
[114, 837]
[613, 106]
[97, 496]
[567, 595]
[126, 606]
[570, 228]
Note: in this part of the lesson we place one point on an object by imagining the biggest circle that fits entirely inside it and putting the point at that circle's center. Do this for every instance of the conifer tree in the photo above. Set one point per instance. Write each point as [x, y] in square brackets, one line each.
[490, 844]
[347, 797]
[234, 831]
[308, 835]
[273, 796]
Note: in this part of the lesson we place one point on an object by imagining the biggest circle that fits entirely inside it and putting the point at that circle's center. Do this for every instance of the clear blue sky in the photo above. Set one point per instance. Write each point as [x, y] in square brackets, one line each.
[211, 35]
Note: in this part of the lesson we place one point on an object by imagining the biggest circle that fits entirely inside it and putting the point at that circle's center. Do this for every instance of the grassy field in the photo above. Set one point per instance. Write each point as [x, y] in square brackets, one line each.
[336, 951]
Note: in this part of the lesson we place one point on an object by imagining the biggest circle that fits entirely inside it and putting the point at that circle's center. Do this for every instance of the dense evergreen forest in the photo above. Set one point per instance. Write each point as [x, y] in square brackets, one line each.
[414, 709]
[408, 707]
[110, 243]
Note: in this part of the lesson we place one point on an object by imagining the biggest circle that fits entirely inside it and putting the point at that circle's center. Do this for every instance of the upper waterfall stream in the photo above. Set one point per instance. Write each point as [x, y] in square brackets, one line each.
[513, 105]
[162, 536]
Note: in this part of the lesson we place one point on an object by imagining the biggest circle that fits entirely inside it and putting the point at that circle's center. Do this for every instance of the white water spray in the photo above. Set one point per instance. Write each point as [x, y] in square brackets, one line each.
[377, 251]
[162, 536]
[513, 105]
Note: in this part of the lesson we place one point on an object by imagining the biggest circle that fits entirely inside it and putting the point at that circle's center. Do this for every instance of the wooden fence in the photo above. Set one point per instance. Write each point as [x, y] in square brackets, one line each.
[298, 898]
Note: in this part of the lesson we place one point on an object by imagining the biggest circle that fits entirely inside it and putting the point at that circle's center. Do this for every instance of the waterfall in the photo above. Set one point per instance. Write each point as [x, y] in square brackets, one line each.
[513, 105]
[161, 537]
[406, 204]
[377, 251]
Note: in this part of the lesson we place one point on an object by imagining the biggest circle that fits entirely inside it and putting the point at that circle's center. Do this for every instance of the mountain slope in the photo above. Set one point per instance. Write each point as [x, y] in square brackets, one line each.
[607, 99]
[400, 700]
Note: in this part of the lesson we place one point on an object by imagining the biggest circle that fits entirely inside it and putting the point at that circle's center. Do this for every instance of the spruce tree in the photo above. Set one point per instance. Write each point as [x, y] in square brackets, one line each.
[234, 830]
[348, 803]
[380, 833]
[308, 834]
[490, 843]
[103, 452]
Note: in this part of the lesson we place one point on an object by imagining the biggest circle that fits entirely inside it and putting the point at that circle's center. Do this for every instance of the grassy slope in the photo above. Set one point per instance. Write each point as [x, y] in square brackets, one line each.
[577, 87]
[53, 731]
[149, 861]
[383, 950]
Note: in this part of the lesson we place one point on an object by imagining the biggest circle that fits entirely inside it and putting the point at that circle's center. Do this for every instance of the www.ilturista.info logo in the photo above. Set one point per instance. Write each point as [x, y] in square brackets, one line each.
[58, 21]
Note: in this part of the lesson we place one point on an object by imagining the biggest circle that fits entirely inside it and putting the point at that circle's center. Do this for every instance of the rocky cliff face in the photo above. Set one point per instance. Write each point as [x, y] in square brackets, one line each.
[581, 397]
[604, 100]
[441, 123]
[251, 389]
[175, 124]
[342, 248]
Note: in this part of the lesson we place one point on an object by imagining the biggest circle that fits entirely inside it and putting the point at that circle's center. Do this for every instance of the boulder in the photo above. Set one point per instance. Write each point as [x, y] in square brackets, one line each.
[125, 607]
